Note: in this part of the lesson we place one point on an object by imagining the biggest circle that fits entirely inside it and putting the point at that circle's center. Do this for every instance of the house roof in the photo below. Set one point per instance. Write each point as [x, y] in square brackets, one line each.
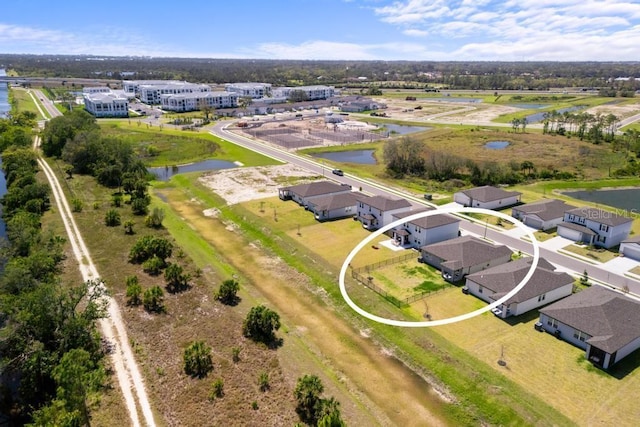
[545, 209]
[635, 239]
[428, 222]
[600, 216]
[503, 278]
[317, 188]
[488, 193]
[336, 201]
[385, 204]
[611, 319]
[578, 227]
[466, 251]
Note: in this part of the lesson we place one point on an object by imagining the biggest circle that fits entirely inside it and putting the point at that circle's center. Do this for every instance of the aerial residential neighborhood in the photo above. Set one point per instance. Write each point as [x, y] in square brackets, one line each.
[343, 213]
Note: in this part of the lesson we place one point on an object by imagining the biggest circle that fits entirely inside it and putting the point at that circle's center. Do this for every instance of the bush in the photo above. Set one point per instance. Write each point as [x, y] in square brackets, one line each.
[263, 381]
[128, 226]
[134, 291]
[197, 359]
[116, 200]
[140, 205]
[177, 280]
[154, 220]
[112, 218]
[260, 324]
[149, 246]
[76, 205]
[235, 354]
[227, 293]
[217, 389]
[153, 265]
[153, 300]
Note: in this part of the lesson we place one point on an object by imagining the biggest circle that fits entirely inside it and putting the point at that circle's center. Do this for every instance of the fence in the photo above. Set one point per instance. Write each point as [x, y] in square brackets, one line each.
[367, 281]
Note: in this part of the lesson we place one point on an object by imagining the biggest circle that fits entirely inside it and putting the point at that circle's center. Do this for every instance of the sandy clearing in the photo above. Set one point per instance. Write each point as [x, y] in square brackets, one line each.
[253, 183]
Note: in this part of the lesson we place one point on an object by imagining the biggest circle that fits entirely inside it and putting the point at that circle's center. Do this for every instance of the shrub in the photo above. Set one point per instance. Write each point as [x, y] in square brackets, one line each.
[76, 205]
[154, 220]
[153, 300]
[217, 389]
[263, 381]
[260, 324]
[227, 293]
[153, 265]
[235, 354]
[134, 291]
[112, 218]
[197, 359]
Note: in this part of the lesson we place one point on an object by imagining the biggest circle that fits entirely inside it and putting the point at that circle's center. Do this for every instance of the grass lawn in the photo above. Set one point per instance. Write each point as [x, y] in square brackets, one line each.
[600, 255]
[162, 147]
[408, 278]
[23, 102]
[542, 236]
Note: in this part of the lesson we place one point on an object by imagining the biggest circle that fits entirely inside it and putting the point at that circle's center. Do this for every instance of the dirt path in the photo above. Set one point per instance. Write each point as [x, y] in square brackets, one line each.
[395, 395]
[113, 329]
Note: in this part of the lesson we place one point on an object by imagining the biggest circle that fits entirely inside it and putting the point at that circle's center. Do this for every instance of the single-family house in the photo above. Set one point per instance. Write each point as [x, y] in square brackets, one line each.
[542, 214]
[630, 247]
[426, 230]
[377, 211]
[487, 197]
[545, 286]
[303, 193]
[335, 206]
[604, 323]
[464, 255]
[595, 227]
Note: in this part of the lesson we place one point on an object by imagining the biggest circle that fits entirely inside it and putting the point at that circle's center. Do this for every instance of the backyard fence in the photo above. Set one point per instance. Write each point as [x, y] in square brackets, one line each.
[380, 264]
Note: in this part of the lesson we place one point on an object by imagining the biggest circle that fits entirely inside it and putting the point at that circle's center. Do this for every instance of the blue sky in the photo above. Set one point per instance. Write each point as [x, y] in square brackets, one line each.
[512, 30]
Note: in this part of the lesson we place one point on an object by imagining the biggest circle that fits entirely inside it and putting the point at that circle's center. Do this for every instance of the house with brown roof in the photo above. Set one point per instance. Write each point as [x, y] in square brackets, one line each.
[335, 206]
[425, 230]
[542, 214]
[604, 323]
[630, 247]
[487, 197]
[545, 286]
[303, 193]
[377, 211]
[595, 227]
[464, 255]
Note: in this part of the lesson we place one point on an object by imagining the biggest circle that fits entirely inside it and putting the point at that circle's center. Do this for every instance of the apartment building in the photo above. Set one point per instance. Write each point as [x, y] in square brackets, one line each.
[106, 104]
[249, 90]
[195, 101]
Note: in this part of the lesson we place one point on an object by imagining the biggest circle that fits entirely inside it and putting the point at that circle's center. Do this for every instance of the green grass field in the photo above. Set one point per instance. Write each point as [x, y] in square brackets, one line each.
[24, 102]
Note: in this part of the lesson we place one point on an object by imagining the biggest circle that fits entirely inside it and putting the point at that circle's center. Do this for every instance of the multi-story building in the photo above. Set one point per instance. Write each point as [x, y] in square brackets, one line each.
[107, 104]
[150, 91]
[311, 92]
[195, 101]
[250, 90]
[595, 227]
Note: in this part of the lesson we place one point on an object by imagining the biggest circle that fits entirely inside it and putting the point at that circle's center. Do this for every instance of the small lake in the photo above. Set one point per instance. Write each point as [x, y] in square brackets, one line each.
[538, 117]
[452, 99]
[497, 145]
[401, 129]
[363, 157]
[529, 106]
[627, 198]
[166, 172]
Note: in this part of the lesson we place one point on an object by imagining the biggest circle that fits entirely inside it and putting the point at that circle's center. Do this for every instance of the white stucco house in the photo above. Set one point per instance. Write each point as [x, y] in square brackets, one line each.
[543, 214]
[426, 230]
[377, 211]
[335, 206]
[487, 197]
[595, 227]
[464, 255]
[302, 194]
[545, 286]
[630, 248]
[604, 323]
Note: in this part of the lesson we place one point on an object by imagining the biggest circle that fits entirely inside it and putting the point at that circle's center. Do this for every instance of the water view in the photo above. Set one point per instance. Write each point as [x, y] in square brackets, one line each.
[529, 106]
[627, 198]
[538, 117]
[364, 157]
[401, 129]
[163, 173]
[496, 145]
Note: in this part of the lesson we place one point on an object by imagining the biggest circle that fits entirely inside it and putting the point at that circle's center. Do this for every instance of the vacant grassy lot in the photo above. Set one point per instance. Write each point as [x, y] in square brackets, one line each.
[162, 147]
[408, 278]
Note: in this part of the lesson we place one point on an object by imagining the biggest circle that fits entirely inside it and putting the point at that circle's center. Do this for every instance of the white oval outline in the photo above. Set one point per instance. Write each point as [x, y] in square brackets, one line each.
[449, 320]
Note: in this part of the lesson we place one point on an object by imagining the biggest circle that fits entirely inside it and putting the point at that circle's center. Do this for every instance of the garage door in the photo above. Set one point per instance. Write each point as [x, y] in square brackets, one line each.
[631, 251]
[567, 233]
[532, 222]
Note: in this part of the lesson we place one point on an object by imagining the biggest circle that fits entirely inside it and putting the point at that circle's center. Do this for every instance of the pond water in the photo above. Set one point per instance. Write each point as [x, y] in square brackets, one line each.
[529, 106]
[452, 99]
[538, 117]
[401, 129]
[363, 157]
[496, 145]
[626, 198]
[166, 172]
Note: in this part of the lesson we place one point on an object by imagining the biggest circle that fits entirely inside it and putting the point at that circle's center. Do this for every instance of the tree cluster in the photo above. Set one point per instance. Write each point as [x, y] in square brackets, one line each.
[312, 408]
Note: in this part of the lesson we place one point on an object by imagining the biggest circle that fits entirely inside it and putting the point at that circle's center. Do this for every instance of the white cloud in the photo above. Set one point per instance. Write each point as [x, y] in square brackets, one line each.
[415, 33]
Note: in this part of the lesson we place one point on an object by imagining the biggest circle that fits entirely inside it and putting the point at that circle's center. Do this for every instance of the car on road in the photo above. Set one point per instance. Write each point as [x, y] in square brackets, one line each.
[338, 172]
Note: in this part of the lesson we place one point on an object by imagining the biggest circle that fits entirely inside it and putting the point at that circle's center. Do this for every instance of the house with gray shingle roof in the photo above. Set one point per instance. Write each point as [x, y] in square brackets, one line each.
[377, 211]
[335, 206]
[604, 323]
[464, 255]
[303, 193]
[487, 197]
[595, 227]
[426, 230]
[542, 214]
[630, 247]
[545, 286]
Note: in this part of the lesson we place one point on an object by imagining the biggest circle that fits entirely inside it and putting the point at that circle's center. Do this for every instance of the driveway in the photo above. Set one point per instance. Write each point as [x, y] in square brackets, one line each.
[556, 243]
[620, 265]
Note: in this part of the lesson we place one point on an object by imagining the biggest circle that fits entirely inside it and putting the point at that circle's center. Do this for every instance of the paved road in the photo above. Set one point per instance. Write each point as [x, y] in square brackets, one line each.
[567, 263]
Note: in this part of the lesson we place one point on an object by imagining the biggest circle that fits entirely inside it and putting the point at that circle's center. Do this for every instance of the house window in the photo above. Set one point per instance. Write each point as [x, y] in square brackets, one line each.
[541, 297]
[604, 227]
[552, 322]
[480, 289]
[579, 335]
